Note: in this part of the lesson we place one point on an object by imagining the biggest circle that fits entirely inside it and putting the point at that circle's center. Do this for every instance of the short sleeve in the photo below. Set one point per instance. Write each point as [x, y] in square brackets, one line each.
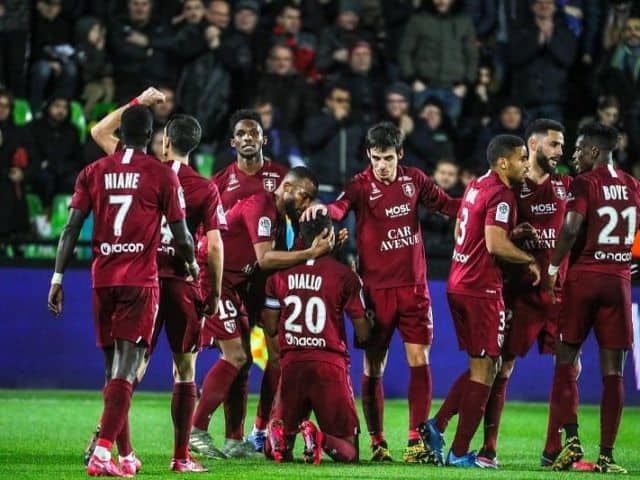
[271, 295]
[354, 305]
[501, 210]
[81, 198]
[260, 218]
[578, 198]
[434, 198]
[172, 197]
[345, 201]
[214, 217]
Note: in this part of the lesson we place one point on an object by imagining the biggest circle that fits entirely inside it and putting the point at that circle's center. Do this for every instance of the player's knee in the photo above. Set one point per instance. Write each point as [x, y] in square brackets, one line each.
[238, 358]
[183, 370]
[506, 368]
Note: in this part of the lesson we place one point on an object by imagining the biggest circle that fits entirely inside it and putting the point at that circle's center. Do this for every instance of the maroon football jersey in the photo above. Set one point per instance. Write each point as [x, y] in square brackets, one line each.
[388, 228]
[311, 298]
[234, 185]
[128, 192]
[252, 220]
[474, 271]
[608, 200]
[203, 208]
[543, 206]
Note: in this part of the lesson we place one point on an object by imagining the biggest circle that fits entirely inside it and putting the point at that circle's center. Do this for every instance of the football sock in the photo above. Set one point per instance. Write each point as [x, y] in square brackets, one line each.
[451, 404]
[607, 452]
[564, 394]
[493, 413]
[553, 444]
[117, 399]
[214, 390]
[267, 392]
[373, 406]
[419, 398]
[339, 449]
[610, 409]
[472, 406]
[235, 406]
[123, 440]
[183, 403]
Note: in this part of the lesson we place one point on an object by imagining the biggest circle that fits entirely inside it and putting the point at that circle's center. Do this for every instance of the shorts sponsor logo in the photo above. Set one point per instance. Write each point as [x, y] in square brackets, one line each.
[114, 248]
[621, 257]
[269, 184]
[229, 325]
[304, 341]
[502, 212]
[408, 189]
[264, 227]
[460, 257]
[398, 210]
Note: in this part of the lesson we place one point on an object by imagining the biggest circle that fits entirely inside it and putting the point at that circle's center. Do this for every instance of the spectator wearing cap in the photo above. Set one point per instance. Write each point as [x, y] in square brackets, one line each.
[438, 54]
[364, 83]
[335, 41]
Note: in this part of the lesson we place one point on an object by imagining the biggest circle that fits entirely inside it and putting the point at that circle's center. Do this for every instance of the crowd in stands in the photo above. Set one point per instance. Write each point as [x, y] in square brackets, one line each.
[450, 73]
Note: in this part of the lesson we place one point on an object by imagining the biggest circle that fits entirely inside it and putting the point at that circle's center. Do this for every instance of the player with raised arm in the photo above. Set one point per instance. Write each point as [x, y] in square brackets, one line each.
[253, 226]
[486, 219]
[128, 193]
[598, 230]
[385, 198]
[305, 308]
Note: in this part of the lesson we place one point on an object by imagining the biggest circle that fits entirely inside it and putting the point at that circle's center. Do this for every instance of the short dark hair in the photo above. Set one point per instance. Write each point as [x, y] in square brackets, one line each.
[243, 114]
[502, 146]
[136, 126]
[540, 126]
[313, 227]
[303, 173]
[447, 160]
[384, 135]
[185, 133]
[603, 137]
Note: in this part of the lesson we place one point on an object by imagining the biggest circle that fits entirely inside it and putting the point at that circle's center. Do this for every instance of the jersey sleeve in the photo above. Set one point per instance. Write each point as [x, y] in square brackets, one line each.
[214, 217]
[354, 305]
[436, 199]
[501, 210]
[578, 199]
[345, 201]
[172, 201]
[271, 294]
[260, 219]
[81, 198]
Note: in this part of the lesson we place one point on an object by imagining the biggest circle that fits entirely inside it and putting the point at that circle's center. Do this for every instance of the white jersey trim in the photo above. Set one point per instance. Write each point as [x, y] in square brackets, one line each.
[272, 303]
[126, 158]
[175, 166]
[612, 171]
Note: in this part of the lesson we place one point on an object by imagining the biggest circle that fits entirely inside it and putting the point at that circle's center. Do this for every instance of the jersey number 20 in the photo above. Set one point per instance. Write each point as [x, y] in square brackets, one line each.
[315, 314]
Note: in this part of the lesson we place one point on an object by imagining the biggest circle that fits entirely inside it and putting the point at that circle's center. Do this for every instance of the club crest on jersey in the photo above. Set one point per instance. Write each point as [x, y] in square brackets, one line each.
[408, 189]
[560, 191]
[233, 179]
[230, 325]
[269, 184]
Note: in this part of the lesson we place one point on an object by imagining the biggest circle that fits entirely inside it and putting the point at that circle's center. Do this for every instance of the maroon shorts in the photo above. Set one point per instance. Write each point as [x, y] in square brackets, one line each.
[598, 301]
[180, 314]
[406, 308]
[253, 296]
[321, 387]
[126, 313]
[533, 320]
[230, 322]
[479, 323]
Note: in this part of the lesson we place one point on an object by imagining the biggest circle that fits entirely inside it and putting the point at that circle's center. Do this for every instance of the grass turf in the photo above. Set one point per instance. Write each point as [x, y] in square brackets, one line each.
[43, 434]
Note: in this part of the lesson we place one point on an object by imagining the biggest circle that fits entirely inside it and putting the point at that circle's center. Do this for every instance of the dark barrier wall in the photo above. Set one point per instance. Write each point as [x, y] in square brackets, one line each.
[40, 351]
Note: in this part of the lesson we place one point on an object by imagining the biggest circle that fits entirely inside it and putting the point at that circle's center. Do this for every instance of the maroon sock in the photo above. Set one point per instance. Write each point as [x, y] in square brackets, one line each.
[493, 413]
[214, 390]
[472, 406]
[123, 440]
[553, 443]
[235, 406]
[183, 403]
[268, 389]
[564, 394]
[373, 405]
[340, 449]
[419, 396]
[451, 404]
[117, 399]
[610, 409]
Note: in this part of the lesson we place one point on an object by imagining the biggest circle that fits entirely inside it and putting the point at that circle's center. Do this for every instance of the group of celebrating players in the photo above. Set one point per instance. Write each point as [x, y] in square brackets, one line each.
[516, 227]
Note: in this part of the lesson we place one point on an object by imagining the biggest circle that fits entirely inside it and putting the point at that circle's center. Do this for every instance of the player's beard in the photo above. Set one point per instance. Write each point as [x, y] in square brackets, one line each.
[544, 162]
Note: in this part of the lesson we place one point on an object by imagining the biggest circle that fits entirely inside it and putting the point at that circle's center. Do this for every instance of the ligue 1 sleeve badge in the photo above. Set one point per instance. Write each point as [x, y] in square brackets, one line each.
[408, 189]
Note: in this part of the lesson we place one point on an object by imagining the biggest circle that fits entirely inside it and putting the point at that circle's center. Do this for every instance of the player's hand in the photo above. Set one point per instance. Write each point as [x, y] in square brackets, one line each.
[211, 308]
[323, 243]
[56, 297]
[193, 270]
[548, 288]
[534, 270]
[524, 230]
[312, 211]
[151, 96]
[343, 236]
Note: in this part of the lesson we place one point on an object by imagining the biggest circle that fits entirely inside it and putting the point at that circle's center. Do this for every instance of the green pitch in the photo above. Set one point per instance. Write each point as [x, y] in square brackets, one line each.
[43, 433]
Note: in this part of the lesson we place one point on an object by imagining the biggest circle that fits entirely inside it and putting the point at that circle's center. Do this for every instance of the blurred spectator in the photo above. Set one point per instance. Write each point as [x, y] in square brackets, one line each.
[137, 62]
[156, 143]
[365, 84]
[96, 72]
[288, 31]
[334, 141]
[541, 53]
[162, 111]
[59, 150]
[336, 40]
[616, 17]
[583, 17]
[281, 145]
[51, 54]
[218, 13]
[12, 133]
[433, 135]
[14, 40]
[395, 14]
[479, 104]
[438, 54]
[286, 89]
[485, 17]
[204, 89]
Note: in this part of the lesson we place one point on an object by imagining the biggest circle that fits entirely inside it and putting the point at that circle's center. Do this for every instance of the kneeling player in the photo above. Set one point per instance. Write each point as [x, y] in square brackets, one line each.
[311, 299]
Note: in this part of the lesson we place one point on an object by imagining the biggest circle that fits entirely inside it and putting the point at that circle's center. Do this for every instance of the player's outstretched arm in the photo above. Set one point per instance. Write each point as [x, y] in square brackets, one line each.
[66, 245]
[184, 245]
[215, 256]
[103, 132]
[499, 245]
[270, 259]
[270, 317]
